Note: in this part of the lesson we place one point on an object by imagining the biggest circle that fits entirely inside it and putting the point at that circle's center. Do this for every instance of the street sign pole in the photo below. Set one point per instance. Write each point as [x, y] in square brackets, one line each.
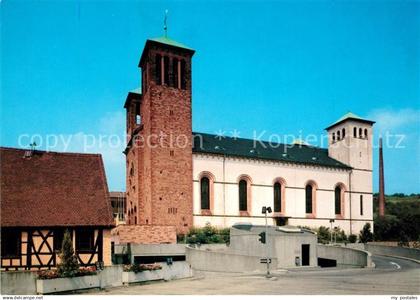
[266, 232]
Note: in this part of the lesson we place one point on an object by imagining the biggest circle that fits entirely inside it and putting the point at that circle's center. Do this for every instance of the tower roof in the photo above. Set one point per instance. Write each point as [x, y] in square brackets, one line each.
[167, 41]
[163, 40]
[349, 116]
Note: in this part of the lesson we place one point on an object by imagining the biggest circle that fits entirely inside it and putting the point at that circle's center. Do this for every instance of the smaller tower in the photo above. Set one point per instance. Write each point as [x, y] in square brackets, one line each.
[381, 181]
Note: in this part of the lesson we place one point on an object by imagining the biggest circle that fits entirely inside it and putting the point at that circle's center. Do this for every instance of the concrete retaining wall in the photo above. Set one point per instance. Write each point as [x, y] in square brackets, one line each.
[221, 261]
[24, 282]
[393, 251]
[18, 283]
[111, 276]
[345, 257]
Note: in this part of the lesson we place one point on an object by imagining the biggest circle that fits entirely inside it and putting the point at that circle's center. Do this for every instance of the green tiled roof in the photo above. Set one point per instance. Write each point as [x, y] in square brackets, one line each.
[170, 42]
[347, 116]
[247, 148]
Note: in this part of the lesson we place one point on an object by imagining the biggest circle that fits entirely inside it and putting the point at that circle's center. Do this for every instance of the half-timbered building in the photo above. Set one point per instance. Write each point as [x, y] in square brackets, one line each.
[43, 194]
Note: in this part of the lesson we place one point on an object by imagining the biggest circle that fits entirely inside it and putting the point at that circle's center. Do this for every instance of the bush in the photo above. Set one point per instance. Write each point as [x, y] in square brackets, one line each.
[52, 274]
[208, 235]
[136, 268]
[404, 242]
[339, 235]
[352, 238]
[69, 265]
[366, 234]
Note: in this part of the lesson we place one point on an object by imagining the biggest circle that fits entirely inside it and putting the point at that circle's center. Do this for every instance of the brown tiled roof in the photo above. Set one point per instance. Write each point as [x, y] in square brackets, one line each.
[53, 189]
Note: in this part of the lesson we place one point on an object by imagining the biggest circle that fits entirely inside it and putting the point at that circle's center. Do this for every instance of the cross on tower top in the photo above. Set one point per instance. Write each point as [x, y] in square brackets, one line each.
[165, 26]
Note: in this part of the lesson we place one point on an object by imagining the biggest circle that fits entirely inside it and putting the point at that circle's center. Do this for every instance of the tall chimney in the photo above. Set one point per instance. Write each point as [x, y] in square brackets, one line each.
[381, 181]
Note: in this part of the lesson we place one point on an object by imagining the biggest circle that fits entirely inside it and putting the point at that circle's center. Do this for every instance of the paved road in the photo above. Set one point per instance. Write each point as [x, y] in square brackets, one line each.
[391, 276]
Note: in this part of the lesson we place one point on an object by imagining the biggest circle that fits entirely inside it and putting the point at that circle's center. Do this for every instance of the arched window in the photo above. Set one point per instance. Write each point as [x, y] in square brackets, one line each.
[355, 132]
[366, 133]
[361, 205]
[309, 198]
[333, 137]
[243, 195]
[360, 133]
[277, 197]
[338, 196]
[205, 192]
[158, 66]
[338, 135]
[343, 132]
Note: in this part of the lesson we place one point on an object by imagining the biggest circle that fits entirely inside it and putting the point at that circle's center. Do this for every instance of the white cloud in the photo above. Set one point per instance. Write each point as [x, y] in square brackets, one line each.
[389, 120]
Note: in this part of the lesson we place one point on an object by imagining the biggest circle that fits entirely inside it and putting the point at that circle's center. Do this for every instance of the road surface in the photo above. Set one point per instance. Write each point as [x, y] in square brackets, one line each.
[391, 276]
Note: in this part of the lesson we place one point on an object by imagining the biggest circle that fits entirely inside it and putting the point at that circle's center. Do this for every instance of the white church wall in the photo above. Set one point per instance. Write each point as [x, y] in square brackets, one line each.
[226, 172]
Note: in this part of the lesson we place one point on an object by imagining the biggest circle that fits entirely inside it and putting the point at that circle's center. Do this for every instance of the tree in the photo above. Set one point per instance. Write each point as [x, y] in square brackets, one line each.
[324, 235]
[365, 234]
[69, 265]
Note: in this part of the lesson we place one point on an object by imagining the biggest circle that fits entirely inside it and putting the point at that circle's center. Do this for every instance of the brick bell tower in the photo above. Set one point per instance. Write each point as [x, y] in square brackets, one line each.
[159, 148]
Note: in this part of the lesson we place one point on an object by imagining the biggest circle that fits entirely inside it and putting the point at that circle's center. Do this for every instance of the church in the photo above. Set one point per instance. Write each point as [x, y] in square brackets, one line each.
[178, 179]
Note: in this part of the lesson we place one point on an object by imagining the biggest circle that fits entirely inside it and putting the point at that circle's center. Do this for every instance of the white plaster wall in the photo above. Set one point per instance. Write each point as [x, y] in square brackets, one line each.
[353, 151]
[226, 172]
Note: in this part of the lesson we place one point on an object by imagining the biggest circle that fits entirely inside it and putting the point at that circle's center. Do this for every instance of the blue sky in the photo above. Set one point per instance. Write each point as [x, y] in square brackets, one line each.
[278, 67]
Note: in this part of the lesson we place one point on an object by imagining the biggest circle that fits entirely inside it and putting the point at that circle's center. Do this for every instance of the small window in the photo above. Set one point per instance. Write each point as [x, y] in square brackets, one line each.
[58, 238]
[175, 73]
[333, 136]
[138, 119]
[183, 76]
[337, 200]
[205, 193]
[354, 132]
[361, 205]
[158, 65]
[10, 242]
[343, 132]
[132, 170]
[360, 133]
[84, 239]
[243, 195]
[366, 133]
[277, 197]
[338, 135]
[166, 70]
[308, 199]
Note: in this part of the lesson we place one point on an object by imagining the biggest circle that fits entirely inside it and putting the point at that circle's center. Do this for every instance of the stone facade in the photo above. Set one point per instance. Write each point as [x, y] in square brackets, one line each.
[159, 155]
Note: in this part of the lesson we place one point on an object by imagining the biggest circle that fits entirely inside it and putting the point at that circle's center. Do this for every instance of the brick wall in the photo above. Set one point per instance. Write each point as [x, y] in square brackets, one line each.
[162, 157]
[144, 234]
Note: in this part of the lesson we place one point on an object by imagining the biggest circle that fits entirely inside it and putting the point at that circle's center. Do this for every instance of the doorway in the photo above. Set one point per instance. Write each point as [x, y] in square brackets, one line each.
[305, 254]
[281, 221]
